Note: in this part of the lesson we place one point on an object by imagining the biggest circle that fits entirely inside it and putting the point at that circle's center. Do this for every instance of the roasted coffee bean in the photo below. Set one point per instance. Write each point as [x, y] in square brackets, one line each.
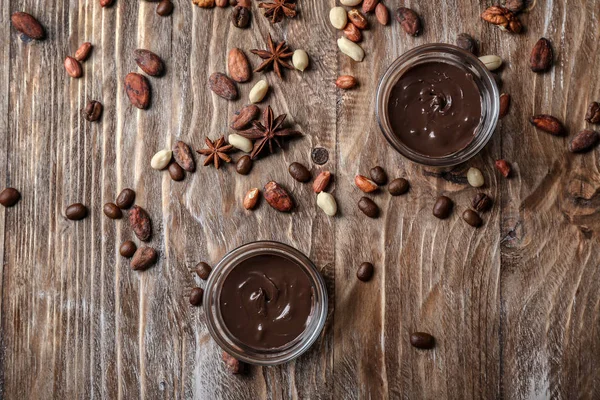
[443, 207]
[398, 186]
[368, 207]
[319, 155]
[243, 165]
[472, 218]
[125, 199]
[378, 175]
[203, 270]
[128, 249]
[240, 17]
[422, 340]
[482, 202]
[196, 296]
[92, 111]
[144, 258]
[177, 173]
[299, 172]
[9, 197]
[112, 211]
[365, 271]
[76, 212]
[164, 8]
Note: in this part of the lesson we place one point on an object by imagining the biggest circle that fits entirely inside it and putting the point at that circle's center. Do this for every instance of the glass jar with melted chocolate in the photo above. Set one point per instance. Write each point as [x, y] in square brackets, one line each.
[266, 303]
[437, 105]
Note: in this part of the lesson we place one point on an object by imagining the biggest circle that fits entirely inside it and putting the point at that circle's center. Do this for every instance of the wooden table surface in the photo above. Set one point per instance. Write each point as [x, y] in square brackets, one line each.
[514, 306]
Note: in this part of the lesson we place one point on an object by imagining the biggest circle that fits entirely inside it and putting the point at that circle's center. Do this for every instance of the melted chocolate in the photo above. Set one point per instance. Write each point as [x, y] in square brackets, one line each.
[435, 108]
[266, 301]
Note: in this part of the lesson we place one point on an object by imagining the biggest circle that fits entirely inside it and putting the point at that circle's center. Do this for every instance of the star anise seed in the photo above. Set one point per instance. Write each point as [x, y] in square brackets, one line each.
[216, 152]
[274, 57]
[277, 9]
[267, 132]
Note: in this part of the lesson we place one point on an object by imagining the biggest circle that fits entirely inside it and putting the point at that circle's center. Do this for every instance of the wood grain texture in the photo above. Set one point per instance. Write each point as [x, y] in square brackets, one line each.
[514, 306]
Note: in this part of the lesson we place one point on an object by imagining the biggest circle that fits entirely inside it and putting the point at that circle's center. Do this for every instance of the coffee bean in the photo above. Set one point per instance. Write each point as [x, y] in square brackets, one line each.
[92, 111]
[368, 207]
[299, 172]
[164, 8]
[9, 197]
[443, 207]
[112, 211]
[365, 271]
[196, 296]
[378, 175]
[76, 212]
[203, 270]
[240, 17]
[177, 173]
[144, 258]
[398, 186]
[481, 202]
[319, 155]
[128, 249]
[125, 199]
[243, 165]
[472, 218]
[422, 340]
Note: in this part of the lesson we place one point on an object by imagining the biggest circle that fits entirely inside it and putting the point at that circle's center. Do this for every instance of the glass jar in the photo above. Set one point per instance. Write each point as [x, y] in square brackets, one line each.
[230, 343]
[439, 52]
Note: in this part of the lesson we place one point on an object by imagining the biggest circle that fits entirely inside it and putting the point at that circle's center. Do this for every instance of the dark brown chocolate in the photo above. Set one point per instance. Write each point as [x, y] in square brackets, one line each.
[266, 301]
[435, 108]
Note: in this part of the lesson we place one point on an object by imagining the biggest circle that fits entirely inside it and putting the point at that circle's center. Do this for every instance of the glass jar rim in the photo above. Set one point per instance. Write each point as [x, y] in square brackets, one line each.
[490, 100]
[228, 342]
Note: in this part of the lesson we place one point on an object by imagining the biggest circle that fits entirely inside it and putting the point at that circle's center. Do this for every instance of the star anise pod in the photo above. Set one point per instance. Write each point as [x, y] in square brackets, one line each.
[267, 132]
[274, 57]
[277, 9]
[216, 152]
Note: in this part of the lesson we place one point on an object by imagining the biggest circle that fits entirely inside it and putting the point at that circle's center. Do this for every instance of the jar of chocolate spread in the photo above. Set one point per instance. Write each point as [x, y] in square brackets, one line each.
[266, 303]
[437, 105]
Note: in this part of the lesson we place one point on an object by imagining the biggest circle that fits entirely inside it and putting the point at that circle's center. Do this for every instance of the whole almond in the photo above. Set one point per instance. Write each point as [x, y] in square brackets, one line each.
[504, 167]
[83, 52]
[138, 90]
[243, 117]
[504, 105]
[548, 123]
[357, 19]
[503, 18]
[149, 62]
[278, 197]
[321, 181]
[27, 25]
[365, 184]
[593, 113]
[222, 86]
[140, 223]
[369, 6]
[144, 258]
[352, 32]
[409, 20]
[541, 56]
[73, 67]
[251, 199]
[584, 141]
[346, 82]
[106, 3]
[382, 14]
[238, 66]
[182, 153]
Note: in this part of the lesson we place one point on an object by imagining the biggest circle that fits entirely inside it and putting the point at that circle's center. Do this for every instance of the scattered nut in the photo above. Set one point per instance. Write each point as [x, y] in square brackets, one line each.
[258, 91]
[240, 142]
[503, 18]
[352, 32]
[475, 177]
[369, 6]
[541, 56]
[83, 52]
[357, 19]
[382, 14]
[321, 181]
[365, 184]
[346, 82]
[300, 60]
[161, 159]
[238, 65]
[584, 141]
[548, 123]
[350, 3]
[73, 67]
[409, 20]
[504, 105]
[504, 167]
[251, 198]
[338, 17]
[351, 49]
[466, 42]
[491, 62]
[327, 203]
[593, 113]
